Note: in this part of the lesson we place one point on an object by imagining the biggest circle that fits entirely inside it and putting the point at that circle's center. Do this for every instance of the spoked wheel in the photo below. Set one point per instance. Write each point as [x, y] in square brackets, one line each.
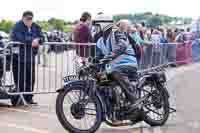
[156, 107]
[78, 112]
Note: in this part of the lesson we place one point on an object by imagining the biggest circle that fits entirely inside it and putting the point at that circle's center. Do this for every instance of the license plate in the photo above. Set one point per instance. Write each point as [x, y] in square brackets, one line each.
[70, 77]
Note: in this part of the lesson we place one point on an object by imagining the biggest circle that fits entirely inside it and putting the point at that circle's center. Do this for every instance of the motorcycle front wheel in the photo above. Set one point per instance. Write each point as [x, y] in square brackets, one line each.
[77, 111]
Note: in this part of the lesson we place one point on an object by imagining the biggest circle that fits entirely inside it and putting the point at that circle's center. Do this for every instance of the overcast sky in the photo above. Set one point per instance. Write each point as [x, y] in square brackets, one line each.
[71, 9]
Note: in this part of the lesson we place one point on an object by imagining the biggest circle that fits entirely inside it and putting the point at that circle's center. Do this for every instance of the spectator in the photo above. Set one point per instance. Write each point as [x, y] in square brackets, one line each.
[129, 30]
[170, 48]
[187, 36]
[180, 36]
[28, 33]
[82, 34]
[171, 36]
[147, 50]
[147, 35]
[163, 36]
[140, 30]
[176, 31]
[156, 39]
[136, 36]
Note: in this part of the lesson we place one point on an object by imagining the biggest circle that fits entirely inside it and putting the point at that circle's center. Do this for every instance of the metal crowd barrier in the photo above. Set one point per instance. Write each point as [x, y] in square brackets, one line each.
[26, 71]
[174, 54]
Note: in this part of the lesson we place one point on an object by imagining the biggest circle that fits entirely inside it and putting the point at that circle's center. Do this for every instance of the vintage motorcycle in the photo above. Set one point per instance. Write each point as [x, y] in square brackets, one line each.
[92, 97]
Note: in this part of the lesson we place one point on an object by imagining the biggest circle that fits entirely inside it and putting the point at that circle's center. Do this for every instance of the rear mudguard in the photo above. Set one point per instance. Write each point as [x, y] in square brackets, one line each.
[158, 79]
[84, 85]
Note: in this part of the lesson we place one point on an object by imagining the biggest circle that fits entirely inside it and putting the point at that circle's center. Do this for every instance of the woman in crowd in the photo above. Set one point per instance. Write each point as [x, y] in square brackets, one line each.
[136, 30]
[171, 36]
[82, 34]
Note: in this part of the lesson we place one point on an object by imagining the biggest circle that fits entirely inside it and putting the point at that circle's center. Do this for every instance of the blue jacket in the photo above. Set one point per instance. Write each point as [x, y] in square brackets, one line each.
[20, 33]
[117, 42]
[163, 40]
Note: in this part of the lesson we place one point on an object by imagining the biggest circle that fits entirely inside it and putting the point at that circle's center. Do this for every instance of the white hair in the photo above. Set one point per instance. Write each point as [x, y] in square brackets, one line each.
[123, 21]
[124, 25]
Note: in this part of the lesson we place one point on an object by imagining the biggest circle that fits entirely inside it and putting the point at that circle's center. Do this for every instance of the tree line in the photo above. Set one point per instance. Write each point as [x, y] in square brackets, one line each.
[154, 20]
[59, 24]
[150, 19]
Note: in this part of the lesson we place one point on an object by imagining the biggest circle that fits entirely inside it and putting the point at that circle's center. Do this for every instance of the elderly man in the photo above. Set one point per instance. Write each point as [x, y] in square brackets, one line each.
[115, 43]
[30, 35]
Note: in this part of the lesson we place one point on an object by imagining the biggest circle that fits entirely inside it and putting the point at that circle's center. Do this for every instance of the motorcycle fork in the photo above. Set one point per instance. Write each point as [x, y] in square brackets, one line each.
[90, 91]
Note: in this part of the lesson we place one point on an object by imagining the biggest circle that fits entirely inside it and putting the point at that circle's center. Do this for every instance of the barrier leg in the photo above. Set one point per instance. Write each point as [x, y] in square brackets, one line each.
[23, 100]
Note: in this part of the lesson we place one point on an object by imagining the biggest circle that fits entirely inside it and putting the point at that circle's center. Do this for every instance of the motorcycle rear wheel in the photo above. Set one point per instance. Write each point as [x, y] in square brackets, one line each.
[160, 100]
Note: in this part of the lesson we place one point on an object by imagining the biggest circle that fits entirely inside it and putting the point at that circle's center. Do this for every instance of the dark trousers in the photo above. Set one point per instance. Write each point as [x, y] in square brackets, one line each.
[24, 77]
[121, 74]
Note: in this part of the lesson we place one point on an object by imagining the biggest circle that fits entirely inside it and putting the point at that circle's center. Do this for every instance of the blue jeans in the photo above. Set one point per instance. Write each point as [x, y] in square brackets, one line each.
[170, 53]
[196, 51]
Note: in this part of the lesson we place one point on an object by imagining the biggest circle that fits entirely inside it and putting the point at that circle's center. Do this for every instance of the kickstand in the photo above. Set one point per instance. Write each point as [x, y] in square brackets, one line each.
[23, 100]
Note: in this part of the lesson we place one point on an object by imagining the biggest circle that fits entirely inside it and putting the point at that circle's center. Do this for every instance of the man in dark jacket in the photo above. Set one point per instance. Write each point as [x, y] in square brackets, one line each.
[28, 33]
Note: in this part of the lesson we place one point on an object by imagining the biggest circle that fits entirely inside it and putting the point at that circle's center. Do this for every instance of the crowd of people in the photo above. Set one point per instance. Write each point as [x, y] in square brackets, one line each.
[140, 33]
[144, 37]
